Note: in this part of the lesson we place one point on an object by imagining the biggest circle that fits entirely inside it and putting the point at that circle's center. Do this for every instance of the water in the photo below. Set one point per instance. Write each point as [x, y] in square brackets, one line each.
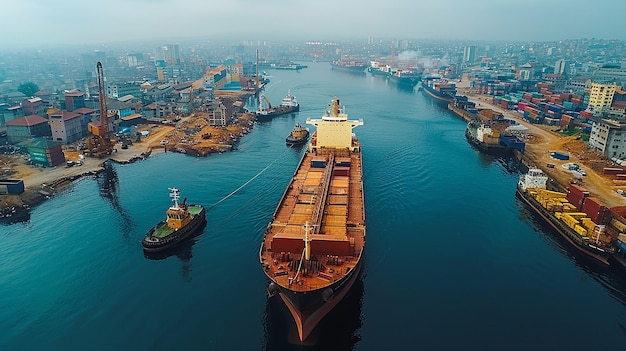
[453, 260]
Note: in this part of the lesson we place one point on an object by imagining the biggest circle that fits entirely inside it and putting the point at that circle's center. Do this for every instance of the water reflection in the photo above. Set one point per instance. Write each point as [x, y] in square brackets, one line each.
[612, 278]
[108, 183]
[183, 251]
[339, 330]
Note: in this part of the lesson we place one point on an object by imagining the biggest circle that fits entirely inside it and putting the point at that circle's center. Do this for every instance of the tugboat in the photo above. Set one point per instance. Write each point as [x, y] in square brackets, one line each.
[181, 222]
[298, 136]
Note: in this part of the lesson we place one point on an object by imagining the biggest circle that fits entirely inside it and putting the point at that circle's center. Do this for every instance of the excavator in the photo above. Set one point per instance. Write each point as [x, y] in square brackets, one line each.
[98, 143]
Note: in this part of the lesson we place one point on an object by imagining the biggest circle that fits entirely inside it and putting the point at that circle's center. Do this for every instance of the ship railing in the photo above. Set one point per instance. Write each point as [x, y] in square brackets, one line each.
[320, 200]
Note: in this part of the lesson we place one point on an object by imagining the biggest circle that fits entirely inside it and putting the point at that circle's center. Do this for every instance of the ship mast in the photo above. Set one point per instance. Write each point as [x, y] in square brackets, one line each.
[307, 242]
[258, 80]
[175, 195]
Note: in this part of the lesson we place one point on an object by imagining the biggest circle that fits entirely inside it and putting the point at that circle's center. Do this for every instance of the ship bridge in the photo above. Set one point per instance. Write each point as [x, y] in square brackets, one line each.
[334, 130]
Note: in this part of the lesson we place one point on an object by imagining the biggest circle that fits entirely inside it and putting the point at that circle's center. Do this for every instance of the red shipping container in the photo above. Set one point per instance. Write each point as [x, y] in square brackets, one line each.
[601, 217]
[578, 190]
[576, 200]
[593, 203]
[608, 170]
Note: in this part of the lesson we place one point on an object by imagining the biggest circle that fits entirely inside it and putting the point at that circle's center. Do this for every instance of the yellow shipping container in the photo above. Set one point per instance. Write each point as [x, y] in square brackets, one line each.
[568, 207]
[580, 230]
[578, 215]
[557, 215]
[552, 194]
[569, 220]
[588, 223]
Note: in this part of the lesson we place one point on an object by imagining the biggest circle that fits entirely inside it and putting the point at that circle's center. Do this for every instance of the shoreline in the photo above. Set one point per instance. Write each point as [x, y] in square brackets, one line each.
[35, 196]
[41, 184]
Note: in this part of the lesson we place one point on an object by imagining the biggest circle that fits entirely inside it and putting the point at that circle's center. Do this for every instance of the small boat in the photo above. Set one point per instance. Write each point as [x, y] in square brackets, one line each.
[289, 104]
[181, 222]
[298, 136]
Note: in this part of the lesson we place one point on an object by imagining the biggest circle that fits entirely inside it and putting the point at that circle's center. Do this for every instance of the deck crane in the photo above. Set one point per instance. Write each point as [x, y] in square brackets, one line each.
[98, 143]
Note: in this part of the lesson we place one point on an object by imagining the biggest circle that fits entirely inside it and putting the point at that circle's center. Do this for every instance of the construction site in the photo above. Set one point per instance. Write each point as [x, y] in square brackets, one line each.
[192, 135]
[542, 141]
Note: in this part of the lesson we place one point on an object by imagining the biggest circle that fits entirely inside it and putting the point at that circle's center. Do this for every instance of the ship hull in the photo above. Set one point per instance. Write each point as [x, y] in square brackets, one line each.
[297, 141]
[357, 69]
[598, 256]
[378, 73]
[404, 82]
[435, 94]
[490, 149]
[308, 309]
[154, 244]
[278, 111]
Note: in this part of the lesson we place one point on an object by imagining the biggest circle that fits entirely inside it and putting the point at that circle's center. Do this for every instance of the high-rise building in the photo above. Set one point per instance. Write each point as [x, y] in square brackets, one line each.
[601, 98]
[469, 54]
[560, 67]
[169, 53]
[134, 59]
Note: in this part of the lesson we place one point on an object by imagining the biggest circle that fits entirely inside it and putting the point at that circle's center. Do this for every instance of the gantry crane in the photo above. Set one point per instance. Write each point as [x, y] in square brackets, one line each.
[98, 143]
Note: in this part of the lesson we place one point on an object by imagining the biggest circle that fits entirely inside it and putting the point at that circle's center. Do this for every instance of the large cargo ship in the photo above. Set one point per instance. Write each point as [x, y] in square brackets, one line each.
[351, 66]
[406, 78]
[576, 227]
[439, 88]
[492, 138]
[379, 69]
[313, 245]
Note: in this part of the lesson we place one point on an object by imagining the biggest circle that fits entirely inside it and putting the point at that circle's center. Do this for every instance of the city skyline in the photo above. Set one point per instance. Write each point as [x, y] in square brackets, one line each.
[30, 23]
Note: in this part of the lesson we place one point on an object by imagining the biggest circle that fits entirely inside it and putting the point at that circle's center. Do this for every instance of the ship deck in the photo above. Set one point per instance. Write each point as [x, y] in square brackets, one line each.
[162, 230]
[326, 192]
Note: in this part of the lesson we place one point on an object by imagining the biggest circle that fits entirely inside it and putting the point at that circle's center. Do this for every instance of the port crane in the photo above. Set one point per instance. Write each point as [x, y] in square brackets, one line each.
[267, 101]
[98, 143]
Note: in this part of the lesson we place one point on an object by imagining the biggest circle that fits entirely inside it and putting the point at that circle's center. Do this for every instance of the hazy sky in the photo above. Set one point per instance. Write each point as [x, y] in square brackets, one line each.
[36, 22]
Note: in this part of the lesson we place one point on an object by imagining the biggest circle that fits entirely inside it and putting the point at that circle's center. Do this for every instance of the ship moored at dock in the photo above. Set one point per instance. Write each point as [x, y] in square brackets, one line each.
[439, 88]
[289, 104]
[313, 245]
[576, 227]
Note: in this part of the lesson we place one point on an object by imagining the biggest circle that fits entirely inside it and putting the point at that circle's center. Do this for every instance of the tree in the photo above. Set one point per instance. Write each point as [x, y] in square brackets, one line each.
[28, 88]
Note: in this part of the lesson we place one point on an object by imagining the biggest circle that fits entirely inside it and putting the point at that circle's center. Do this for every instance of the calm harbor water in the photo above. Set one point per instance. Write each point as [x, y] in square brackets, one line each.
[453, 260]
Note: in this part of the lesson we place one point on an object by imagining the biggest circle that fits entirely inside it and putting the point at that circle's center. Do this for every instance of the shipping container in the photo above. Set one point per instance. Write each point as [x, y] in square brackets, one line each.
[608, 170]
[318, 163]
[578, 190]
[11, 186]
[560, 155]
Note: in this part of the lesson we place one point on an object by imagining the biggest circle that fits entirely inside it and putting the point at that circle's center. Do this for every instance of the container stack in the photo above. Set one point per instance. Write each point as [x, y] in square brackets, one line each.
[576, 196]
[598, 213]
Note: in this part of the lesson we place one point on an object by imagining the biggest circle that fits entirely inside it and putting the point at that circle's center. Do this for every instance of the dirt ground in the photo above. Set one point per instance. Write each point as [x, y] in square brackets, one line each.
[542, 140]
[191, 135]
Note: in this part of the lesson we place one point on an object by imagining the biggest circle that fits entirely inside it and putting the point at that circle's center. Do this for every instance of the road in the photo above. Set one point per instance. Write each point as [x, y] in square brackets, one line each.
[542, 140]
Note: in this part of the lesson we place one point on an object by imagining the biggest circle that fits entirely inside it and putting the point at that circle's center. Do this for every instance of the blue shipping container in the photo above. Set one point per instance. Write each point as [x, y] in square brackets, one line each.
[560, 155]
[11, 186]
